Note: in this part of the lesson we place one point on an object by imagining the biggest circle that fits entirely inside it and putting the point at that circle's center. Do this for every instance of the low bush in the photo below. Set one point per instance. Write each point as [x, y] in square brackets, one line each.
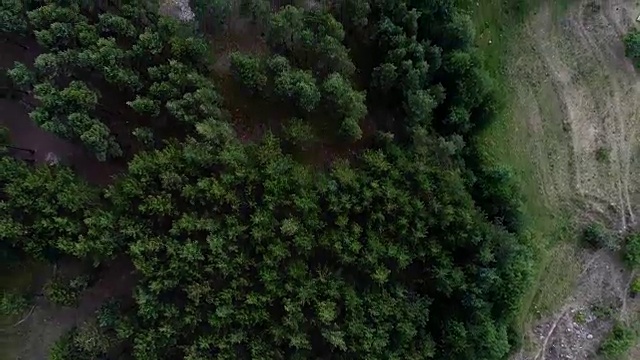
[597, 236]
[92, 341]
[63, 348]
[109, 314]
[635, 286]
[66, 292]
[632, 46]
[299, 133]
[618, 341]
[12, 304]
[86, 342]
[602, 155]
[632, 250]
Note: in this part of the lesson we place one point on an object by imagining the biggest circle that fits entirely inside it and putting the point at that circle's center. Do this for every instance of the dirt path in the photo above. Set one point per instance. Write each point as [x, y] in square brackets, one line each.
[576, 330]
[586, 93]
[26, 134]
[32, 338]
[30, 335]
[579, 96]
[48, 322]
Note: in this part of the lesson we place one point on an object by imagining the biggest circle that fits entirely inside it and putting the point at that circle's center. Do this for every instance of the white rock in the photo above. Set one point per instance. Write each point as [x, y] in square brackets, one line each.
[179, 9]
[52, 159]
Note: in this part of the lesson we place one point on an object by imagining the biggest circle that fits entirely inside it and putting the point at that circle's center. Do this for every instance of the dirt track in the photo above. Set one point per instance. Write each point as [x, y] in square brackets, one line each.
[584, 94]
[580, 98]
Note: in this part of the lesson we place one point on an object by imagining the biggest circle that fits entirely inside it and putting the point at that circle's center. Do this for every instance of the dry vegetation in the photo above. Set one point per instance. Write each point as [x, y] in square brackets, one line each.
[576, 103]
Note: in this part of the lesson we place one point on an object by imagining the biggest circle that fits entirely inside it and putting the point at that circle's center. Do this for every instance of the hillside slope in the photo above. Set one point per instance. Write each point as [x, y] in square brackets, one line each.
[575, 106]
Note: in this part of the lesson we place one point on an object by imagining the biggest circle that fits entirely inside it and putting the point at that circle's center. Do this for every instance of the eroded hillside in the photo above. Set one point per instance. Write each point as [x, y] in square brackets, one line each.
[578, 95]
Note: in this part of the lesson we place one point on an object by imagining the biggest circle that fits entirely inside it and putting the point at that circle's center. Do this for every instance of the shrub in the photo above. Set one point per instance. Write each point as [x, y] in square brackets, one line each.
[602, 311]
[350, 129]
[91, 340]
[144, 135]
[66, 293]
[4, 136]
[125, 328]
[12, 303]
[602, 155]
[63, 348]
[109, 314]
[618, 341]
[580, 318]
[299, 133]
[596, 235]
[632, 250]
[635, 286]
[248, 70]
[632, 46]
[82, 343]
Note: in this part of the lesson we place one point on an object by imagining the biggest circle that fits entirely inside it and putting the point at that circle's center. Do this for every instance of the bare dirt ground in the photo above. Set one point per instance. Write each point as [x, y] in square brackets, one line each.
[26, 134]
[579, 96]
[30, 335]
[576, 330]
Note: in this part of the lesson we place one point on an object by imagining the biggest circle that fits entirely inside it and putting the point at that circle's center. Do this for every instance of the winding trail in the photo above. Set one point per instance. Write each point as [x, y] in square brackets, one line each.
[586, 93]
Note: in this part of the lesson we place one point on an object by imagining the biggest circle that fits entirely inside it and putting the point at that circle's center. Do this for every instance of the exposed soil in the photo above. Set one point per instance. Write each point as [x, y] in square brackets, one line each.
[579, 96]
[581, 82]
[576, 330]
[31, 335]
[25, 133]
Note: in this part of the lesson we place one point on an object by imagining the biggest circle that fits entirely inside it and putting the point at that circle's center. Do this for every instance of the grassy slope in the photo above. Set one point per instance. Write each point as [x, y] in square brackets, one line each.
[499, 29]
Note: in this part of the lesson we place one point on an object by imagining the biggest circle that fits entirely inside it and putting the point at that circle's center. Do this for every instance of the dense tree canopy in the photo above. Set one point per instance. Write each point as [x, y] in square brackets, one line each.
[12, 21]
[406, 248]
[106, 72]
[271, 260]
[48, 211]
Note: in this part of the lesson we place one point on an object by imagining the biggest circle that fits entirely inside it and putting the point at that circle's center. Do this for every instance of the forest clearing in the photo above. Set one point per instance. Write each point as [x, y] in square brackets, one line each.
[573, 103]
[336, 180]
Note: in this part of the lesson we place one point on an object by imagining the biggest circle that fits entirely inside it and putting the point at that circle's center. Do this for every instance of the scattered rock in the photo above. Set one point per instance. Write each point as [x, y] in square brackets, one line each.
[178, 9]
[52, 159]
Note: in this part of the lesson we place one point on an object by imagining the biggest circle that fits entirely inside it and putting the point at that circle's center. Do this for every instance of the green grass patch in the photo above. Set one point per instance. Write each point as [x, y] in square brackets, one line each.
[618, 342]
[499, 26]
[500, 30]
